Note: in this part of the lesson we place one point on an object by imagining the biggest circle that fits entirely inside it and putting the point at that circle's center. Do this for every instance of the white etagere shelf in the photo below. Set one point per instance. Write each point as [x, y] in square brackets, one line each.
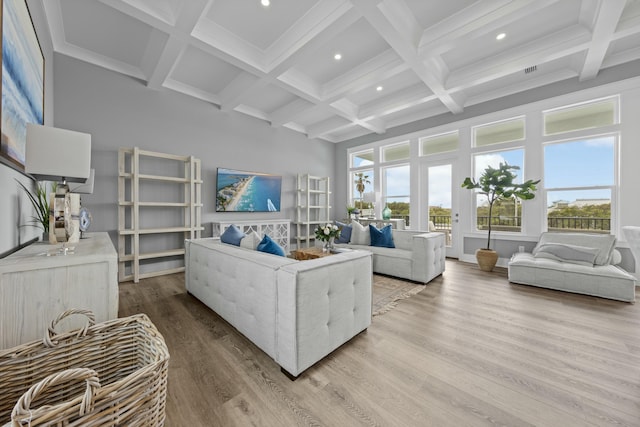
[130, 232]
[312, 207]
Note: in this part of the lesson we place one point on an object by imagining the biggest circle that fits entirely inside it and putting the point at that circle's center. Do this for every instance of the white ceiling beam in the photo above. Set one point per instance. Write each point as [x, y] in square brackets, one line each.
[554, 46]
[325, 127]
[234, 93]
[289, 112]
[607, 18]
[192, 91]
[320, 24]
[474, 21]
[368, 74]
[140, 13]
[406, 98]
[178, 41]
[404, 42]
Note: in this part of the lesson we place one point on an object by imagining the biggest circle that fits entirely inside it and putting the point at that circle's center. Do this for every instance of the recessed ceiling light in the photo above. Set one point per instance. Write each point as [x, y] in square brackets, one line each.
[501, 36]
[337, 56]
[265, 3]
[379, 88]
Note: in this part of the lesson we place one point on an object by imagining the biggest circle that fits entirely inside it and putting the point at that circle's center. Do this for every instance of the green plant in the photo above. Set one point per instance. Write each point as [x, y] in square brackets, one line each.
[499, 184]
[40, 201]
[361, 181]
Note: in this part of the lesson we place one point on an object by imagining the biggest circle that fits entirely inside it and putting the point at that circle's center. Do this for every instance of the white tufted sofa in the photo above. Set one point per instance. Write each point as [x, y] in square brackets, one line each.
[418, 255]
[295, 311]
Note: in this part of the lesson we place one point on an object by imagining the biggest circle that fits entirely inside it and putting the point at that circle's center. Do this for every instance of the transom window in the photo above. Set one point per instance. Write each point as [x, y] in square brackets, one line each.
[439, 143]
[499, 132]
[584, 116]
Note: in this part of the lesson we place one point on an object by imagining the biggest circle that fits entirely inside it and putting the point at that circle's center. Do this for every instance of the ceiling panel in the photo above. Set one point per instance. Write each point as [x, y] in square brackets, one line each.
[261, 26]
[203, 71]
[270, 98]
[98, 28]
[277, 63]
[357, 44]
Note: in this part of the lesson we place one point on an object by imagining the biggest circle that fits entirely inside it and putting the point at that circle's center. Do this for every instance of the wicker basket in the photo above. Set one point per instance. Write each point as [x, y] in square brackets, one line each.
[107, 374]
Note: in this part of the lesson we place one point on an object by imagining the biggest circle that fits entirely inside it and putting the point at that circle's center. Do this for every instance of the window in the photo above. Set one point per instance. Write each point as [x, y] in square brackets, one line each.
[499, 132]
[392, 153]
[362, 188]
[584, 116]
[579, 183]
[439, 144]
[507, 214]
[362, 158]
[397, 190]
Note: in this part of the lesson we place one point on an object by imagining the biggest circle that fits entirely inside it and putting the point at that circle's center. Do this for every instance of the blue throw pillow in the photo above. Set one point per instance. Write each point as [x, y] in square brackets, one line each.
[270, 246]
[381, 238]
[345, 232]
[232, 235]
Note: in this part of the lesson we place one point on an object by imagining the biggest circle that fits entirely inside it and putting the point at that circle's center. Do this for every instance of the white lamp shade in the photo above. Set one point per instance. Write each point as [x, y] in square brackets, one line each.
[84, 187]
[54, 154]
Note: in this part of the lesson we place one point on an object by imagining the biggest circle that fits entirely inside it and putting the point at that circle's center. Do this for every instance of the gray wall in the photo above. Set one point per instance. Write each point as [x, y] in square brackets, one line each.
[119, 111]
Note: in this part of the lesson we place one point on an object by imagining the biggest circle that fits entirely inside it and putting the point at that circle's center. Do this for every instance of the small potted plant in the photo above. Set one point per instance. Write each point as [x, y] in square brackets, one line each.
[40, 201]
[498, 184]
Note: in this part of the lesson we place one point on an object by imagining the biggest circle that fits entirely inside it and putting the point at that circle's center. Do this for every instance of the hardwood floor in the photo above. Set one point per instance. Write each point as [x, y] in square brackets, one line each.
[471, 349]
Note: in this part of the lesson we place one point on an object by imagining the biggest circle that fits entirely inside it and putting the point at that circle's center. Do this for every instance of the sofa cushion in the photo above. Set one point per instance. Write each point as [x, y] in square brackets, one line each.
[360, 234]
[270, 246]
[232, 235]
[381, 237]
[251, 240]
[345, 232]
[567, 253]
[603, 242]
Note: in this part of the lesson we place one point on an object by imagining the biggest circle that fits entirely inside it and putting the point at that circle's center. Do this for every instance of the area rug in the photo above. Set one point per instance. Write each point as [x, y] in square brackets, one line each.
[387, 291]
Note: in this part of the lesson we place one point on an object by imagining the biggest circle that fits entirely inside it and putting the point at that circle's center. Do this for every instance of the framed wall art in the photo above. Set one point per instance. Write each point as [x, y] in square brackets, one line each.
[22, 81]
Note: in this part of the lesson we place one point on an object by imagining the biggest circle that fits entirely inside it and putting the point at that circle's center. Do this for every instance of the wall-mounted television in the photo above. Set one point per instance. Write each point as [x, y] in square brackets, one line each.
[241, 191]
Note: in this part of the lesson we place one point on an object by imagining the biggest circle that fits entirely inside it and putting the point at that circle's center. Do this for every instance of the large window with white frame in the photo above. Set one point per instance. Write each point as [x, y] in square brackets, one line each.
[580, 182]
[496, 143]
[361, 176]
[396, 179]
[506, 215]
[580, 171]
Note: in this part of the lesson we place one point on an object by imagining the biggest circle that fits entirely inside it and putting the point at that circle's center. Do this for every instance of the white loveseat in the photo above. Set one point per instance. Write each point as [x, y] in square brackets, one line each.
[574, 262]
[295, 311]
[417, 256]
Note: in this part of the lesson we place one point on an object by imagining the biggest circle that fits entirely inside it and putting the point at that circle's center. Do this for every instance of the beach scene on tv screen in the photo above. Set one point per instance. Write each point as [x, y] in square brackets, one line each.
[240, 191]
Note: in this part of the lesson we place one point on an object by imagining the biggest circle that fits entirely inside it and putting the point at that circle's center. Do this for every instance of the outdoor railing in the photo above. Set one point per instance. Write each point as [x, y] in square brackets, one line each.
[513, 223]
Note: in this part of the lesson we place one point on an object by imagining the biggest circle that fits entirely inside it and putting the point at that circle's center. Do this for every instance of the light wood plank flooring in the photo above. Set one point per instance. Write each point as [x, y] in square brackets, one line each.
[470, 349]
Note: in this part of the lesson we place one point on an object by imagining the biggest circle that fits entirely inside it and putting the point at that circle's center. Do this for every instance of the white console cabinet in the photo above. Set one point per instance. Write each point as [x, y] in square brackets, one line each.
[39, 282]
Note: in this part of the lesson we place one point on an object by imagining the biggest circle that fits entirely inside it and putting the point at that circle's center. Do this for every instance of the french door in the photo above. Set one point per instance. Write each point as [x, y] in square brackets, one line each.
[440, 203]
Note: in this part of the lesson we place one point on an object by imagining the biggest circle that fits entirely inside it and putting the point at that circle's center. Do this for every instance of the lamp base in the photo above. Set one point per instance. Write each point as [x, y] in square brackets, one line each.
[64, 216]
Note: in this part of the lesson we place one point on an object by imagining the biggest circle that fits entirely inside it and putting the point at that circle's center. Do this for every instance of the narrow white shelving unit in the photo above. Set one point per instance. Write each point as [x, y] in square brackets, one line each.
[159, 206]
[313, 207]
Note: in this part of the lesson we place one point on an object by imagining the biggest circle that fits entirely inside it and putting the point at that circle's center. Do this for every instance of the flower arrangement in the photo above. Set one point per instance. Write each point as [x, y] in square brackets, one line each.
[326, 232]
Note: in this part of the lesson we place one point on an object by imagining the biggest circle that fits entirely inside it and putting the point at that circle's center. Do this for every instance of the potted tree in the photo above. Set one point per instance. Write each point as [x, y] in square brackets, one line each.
[498, 184]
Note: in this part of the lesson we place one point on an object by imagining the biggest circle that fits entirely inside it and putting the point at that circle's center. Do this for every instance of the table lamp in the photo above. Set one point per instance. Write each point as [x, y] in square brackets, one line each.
[62, 156]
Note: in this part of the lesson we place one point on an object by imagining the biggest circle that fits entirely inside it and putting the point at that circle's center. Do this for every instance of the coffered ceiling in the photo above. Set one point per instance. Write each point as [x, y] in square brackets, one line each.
[401, 60]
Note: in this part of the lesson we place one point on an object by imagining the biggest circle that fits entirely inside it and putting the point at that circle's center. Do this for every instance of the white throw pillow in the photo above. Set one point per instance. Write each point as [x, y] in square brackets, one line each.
[250, 240]
[360, 234]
